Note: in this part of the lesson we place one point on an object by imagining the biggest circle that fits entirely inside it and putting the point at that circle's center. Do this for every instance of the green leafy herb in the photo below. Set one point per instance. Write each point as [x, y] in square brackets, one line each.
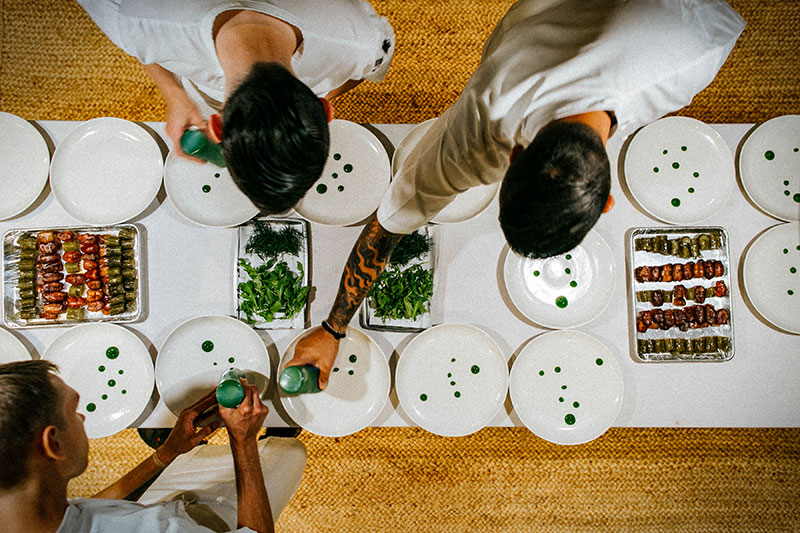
[410, 247]
[273, 291]
[402, 293]
[268, 243]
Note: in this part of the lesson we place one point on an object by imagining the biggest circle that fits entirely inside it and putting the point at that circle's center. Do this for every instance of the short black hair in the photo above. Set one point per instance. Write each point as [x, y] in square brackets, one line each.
[275, 137]
[29, 402]
[555, 190]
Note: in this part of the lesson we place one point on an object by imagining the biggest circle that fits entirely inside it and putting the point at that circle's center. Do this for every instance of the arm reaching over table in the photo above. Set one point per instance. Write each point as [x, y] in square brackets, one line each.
[366, 262]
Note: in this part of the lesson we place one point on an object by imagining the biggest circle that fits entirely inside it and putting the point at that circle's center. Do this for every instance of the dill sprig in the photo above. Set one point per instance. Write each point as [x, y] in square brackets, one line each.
[268, 243]
[410, 247]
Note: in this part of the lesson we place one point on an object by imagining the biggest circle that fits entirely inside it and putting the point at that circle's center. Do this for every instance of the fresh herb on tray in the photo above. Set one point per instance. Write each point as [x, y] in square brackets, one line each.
[273, 289]
[410, 247]
[402, 293]
[268, 243]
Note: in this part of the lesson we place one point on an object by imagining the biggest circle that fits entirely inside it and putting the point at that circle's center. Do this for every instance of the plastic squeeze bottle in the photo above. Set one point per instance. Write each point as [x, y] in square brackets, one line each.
[230, 391]
[300, 379]
[195, 143]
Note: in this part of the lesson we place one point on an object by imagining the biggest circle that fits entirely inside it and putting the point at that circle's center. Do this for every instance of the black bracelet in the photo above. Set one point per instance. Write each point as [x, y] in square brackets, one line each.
[336, 335]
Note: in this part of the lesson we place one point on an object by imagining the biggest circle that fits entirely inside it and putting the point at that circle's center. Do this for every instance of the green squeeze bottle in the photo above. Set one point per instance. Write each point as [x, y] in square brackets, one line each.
[196, 144]
[230, 391]
[300, 379]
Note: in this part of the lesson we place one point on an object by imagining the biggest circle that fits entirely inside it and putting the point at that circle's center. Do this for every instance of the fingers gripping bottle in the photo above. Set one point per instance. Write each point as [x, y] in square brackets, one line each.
[300, 379]
[195, 143]
[230, 391]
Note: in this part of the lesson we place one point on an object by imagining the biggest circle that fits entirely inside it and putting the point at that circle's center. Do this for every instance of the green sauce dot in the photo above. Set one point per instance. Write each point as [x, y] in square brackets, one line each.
[423, 397]
[340, 188]
[575, 405]
[535, 272]
[568, 256]
[541, 372]
[798, 247]
[567, 271]
[561, 399]
[121, 371]
[336, 369]
[562, 302]
[563, 387]
[665, 152]
[696, 174]
[691, 190]
[337, 156]
[353, 358]
[124, 391]
[796, 198]
[475, 369]
[322, 188]
[769, 155]
[216, 174]
[573, 283]
[231, 359]
[655, 169]
[683, 148]
[348, 168]
[676, 165]
[215, 363]
[91, 407]
[101, 368]
[449, 375]
[206, 188]
[676, 202]
[452, 383]
[790, 292]
[457, 394]
[104, 397]
[786, 182]
[787, 192]
[112, 352]
[557, 369]
[334, 175]
[350, 372]
[207, 346]
[793, 270]
[453, 360]
[569, 419]
[796, 150]
[598, 362]
[111, 382]
[785, 250]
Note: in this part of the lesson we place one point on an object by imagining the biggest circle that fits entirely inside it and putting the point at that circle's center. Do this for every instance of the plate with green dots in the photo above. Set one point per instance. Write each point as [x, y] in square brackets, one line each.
[452, 379]
[563, 291]
[679, 170]
[769, 167]
[111, 369]
[566, 387]
[771, 276]
[196, 354]
[205, 194]
[353, 181]
[357, 391]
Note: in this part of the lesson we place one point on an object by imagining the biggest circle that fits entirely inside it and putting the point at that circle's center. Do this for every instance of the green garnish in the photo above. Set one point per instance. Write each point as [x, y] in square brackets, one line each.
[402, 293]
[268, 243]
[410, 247]
[272, 290]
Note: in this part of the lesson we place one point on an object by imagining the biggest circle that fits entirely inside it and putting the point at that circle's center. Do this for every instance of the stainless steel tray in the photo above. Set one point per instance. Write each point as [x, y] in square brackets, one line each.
[367, 317]
[711, 343]
[11, 272]
[240, 276]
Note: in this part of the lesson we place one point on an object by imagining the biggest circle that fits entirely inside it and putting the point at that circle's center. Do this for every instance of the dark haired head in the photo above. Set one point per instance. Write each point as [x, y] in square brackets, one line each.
[275, 137]
[555, 190]
[29, 402]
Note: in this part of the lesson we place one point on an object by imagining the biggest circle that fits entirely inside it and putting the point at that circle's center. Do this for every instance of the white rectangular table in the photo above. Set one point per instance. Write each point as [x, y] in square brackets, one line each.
[190, 268]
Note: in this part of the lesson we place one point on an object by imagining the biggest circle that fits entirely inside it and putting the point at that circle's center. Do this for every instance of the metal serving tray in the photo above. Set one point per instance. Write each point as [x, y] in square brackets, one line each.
[11, 299]
[659, 345]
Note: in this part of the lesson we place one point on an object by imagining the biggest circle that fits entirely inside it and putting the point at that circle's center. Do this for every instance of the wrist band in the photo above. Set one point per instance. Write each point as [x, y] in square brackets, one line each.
[327, 327]
[157, 461]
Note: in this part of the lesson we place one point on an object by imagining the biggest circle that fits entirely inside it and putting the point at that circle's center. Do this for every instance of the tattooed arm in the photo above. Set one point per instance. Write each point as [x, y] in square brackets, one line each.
[366, 262]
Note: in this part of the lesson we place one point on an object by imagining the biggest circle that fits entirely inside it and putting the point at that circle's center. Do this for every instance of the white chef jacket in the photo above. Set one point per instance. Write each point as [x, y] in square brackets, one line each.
[549, 59]
[342, 39]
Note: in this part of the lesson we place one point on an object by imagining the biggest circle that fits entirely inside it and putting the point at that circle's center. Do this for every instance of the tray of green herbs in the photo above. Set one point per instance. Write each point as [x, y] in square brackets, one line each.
[401, 298]
[272, 278]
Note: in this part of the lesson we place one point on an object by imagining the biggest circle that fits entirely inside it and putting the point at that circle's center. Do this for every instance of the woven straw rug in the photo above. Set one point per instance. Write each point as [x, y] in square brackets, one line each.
[57, 65]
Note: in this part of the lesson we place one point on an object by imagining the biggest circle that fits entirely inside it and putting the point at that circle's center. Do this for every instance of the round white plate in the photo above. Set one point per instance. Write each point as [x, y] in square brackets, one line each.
[353, 181]
[468, 204]
[187, 367]
[114, 389]
[771, 276]
[679, 170]
[11, 348]
[205, 193]
[566, 387]
[356, 392]
[25, 163]
[106, 171]
[452, 379]
[769, 165]
[564, 291]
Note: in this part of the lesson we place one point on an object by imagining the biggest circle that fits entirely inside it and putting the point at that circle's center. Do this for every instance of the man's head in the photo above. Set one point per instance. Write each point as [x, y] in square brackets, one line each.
[275, 137]
[38, 422]
[555, 190]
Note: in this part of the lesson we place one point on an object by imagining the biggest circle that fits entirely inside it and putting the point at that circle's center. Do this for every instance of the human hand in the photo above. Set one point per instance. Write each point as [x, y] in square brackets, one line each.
[182, 114]
[185, 434]
[244, 421]
[318, 348]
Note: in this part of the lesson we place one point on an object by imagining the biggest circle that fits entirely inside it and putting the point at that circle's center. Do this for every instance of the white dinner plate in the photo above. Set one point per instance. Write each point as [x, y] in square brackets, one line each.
[679, 170]
[466, 205]
[115, 385]
[106, 171]
[24, 164]
[769, 165]
[353, 181]
[11, 348]
[357, 390]
[564, 291]
[205, 193]
[566, 387]
[196, 354]
[452, 379]
[771, 276]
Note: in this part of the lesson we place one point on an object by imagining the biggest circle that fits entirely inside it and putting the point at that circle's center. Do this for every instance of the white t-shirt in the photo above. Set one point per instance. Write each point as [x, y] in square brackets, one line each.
[549, 59]
[342, 39]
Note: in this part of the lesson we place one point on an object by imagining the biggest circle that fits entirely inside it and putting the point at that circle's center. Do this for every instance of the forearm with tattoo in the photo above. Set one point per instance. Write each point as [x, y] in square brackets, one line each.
[366, 262]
